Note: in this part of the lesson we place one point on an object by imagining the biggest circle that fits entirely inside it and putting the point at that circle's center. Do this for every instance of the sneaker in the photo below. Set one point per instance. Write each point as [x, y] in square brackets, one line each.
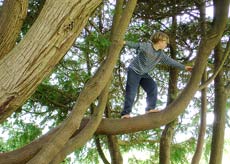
[152, 111]
[125, 116]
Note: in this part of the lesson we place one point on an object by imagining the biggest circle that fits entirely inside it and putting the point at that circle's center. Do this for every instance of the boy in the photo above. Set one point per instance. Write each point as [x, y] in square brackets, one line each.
[148, 55]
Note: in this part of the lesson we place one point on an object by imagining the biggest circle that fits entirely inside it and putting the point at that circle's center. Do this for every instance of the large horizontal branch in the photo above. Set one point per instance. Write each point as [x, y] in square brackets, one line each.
[106, 127]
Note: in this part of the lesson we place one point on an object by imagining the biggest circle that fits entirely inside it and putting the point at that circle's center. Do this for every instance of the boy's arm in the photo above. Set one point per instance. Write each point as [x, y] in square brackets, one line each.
[171, 62]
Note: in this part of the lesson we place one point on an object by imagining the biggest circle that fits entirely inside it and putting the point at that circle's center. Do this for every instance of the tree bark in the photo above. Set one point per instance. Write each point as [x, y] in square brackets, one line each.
[100, 151]
[165, 142]
[47, 41]
[219, 112]
[202, 129]
[90, 92]
[115, 154]
[85, 134]
[114, 150]
[200, 141]
[12, 16]
[167, 134]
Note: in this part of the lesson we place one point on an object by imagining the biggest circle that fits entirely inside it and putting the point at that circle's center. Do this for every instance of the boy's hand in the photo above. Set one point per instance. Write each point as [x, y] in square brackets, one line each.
[188, 68]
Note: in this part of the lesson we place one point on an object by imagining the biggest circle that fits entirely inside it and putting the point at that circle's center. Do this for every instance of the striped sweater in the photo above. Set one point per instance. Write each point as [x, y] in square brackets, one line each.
[147, 57]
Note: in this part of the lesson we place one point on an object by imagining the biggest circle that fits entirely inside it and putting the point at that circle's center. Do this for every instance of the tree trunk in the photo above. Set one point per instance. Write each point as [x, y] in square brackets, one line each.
[167, 134]
[12, 16]
[219, 112]
[100, 150]
[114, 150]
[90, 92]
[199, 147]
[200, 141]
[115, 154]
[47, 41]
[165, 142]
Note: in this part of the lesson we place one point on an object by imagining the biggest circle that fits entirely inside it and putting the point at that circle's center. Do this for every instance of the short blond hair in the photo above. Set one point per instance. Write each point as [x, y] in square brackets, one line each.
[158, 36]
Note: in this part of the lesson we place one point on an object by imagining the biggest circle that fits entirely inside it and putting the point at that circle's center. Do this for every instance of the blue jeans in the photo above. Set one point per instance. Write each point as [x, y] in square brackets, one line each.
[132, 84]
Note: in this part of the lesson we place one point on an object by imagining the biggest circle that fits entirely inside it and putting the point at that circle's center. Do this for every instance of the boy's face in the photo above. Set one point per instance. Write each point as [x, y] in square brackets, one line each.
[163, 43]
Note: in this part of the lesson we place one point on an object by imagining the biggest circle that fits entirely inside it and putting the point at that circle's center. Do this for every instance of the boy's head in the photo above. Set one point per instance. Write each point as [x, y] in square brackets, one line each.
[159, 36]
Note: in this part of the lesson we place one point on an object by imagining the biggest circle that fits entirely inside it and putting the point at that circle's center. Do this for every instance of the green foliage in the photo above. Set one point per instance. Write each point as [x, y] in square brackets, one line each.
[152, 160]
[87, 154]
[19, 134]
[180, 152]
[98, 41]
[207, 149]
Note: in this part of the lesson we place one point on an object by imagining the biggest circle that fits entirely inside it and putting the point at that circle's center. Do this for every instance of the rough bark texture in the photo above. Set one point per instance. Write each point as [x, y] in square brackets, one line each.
[90, 92]
[219, 112]
[35, 56]
[47, 41]
[12, 16]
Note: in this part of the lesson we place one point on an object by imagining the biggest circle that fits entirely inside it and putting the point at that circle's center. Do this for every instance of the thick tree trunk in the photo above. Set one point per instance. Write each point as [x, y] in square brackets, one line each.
[47, 41]
[219, 112]
[12, 16]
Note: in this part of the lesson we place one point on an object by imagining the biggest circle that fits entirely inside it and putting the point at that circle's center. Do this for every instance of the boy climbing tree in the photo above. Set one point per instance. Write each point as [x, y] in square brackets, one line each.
[148, 55]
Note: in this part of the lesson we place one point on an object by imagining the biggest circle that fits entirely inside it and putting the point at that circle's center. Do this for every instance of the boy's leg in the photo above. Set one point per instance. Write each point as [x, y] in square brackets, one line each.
[132, 84]
[150, 87]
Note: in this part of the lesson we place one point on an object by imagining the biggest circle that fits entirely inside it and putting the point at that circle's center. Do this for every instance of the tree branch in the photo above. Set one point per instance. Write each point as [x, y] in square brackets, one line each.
[90, 92]
[226, 54]
[85, 134]
[12, 16]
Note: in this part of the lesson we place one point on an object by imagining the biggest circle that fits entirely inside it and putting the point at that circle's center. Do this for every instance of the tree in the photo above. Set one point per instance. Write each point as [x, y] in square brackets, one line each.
[25, 66]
